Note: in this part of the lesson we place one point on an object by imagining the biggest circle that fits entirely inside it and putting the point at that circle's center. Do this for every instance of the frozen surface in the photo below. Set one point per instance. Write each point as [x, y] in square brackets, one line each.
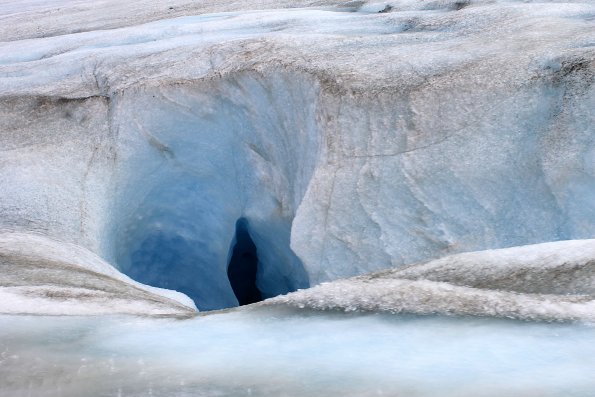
[294, 353]
[350, 140]
[345, 138]
[550, 281]
[43, 276]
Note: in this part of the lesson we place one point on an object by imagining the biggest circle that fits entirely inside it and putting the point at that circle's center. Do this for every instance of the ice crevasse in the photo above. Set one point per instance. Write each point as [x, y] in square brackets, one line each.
[320, 141]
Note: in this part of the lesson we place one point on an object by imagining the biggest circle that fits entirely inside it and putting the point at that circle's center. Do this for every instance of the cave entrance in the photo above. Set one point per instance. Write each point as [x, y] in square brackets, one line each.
[243, 266]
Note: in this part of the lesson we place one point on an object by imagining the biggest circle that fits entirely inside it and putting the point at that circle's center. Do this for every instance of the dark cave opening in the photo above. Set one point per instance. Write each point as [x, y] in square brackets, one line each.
[243, 266]
[247, 262]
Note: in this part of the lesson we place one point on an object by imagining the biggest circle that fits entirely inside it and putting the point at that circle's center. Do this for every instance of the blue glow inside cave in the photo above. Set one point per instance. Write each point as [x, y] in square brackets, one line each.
[179, 242]
[168, 258]
[208, 189]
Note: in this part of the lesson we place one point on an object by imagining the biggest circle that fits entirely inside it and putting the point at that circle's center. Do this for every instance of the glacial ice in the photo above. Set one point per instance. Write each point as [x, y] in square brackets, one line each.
[44, 276]
[349, 140]
[279, 352]
[401, 181]
[546, 282]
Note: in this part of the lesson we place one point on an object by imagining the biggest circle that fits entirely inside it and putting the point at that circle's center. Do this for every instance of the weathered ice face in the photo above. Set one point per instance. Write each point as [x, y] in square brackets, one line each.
[399, 194]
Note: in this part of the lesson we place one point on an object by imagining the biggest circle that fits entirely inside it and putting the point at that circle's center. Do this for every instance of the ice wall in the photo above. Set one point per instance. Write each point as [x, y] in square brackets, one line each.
[488, 154]
[197, 159]
[349, 141]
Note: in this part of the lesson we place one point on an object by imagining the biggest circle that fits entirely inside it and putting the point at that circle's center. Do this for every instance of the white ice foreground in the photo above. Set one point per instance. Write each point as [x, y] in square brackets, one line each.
[271, 352]
[349, 137]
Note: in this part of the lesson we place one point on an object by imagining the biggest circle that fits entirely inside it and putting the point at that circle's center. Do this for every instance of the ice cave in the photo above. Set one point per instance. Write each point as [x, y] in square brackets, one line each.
[297, 198]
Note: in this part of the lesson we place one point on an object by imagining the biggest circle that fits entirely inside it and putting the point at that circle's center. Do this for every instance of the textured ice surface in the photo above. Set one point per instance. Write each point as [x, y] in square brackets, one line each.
[551, 281]
[351, 140]
[346, 137]
[285, 353]
[42, 276]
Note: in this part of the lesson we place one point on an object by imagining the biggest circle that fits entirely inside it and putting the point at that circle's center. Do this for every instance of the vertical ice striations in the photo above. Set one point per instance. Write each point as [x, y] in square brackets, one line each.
[468, 159]
[205, 156]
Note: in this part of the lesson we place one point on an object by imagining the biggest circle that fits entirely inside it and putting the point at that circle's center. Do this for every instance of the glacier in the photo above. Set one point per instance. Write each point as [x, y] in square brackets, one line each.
[407, 185]
[348, 140]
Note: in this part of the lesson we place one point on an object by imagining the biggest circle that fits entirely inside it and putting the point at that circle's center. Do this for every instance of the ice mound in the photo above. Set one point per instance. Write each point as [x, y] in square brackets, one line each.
[551, 281]
[42, 276]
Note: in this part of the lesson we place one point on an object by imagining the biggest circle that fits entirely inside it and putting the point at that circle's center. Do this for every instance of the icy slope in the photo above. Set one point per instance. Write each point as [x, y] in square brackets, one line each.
[348, 142]
[551, 281]
[42, 276]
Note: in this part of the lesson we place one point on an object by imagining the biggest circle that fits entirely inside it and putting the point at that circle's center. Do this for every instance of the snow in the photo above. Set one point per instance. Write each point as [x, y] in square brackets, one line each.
[349, 141]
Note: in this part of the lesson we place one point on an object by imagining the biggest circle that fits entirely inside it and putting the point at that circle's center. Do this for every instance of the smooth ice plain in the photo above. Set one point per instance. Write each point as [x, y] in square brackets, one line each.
[281, 352]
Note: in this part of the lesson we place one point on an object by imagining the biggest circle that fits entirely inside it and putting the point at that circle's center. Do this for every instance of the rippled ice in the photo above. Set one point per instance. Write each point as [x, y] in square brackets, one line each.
[281, 352]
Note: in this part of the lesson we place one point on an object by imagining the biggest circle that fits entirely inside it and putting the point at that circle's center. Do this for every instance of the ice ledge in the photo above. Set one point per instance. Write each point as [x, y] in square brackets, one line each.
[501, 283]
[44, 276]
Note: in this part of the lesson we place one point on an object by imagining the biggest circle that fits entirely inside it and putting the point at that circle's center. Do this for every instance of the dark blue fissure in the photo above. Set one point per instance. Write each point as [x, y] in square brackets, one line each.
[243, 266]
